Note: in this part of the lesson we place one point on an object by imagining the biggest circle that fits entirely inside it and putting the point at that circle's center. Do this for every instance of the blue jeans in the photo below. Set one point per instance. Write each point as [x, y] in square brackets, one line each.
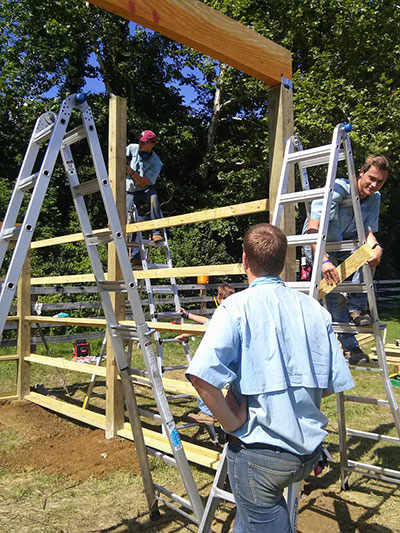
[150, 198]
[258, 478]
[340, 307]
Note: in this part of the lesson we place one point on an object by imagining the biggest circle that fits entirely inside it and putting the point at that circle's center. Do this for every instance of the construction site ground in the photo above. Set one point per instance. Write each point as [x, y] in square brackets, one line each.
[57, 475]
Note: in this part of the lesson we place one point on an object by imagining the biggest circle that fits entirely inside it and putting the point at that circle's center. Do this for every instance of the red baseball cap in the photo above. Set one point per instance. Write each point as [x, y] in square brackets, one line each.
[148, 135]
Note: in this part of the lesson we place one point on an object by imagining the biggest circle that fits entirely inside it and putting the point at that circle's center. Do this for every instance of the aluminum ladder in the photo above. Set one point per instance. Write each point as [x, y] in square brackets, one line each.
[340, 149]
[53, 127]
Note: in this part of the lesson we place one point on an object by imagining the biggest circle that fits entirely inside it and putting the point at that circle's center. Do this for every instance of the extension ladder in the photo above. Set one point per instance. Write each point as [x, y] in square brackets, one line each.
[338, 150]
[53, 127]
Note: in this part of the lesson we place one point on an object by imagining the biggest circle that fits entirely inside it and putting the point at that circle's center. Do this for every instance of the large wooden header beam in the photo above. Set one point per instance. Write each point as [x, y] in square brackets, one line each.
[202, 28]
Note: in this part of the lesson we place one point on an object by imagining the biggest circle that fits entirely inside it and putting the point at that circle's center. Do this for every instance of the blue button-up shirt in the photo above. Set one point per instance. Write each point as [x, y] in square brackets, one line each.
[342, 224]
[149, 168]
[277, 347]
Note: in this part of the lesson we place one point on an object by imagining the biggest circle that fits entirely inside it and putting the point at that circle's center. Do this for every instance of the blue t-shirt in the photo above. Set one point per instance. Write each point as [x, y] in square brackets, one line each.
[342, 224]
[149, 168]
[277, 347]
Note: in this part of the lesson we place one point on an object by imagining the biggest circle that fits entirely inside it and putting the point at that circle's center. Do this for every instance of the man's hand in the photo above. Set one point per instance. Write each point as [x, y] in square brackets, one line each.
[130, 171]
[330, 273]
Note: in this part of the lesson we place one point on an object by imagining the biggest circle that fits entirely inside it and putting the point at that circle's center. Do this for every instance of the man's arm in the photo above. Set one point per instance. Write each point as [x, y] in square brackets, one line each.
[142, 181]
[328, 269]
[373, 242]
[226, 410]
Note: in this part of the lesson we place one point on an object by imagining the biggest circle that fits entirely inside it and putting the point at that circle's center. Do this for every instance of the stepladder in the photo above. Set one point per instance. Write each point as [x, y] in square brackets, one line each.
[350, 254]
[52, 136]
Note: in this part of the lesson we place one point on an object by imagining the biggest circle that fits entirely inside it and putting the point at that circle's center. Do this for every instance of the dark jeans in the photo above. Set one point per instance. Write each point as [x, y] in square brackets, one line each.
[258, 478]
[150, 198]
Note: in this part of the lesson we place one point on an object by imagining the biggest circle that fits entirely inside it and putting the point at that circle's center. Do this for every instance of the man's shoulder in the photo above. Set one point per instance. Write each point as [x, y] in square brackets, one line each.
[155, 159]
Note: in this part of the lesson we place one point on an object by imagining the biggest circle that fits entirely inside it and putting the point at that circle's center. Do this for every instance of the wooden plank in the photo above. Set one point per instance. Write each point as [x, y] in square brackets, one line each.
[24, 327]
[117, 174]
[195, 453]
[66, 364]
[8, 396]
[182, 272]
[348, 267]
[101, 323]
[257, 206]
[11, 357]
[280, 102]
[170, 385]
[192, 23]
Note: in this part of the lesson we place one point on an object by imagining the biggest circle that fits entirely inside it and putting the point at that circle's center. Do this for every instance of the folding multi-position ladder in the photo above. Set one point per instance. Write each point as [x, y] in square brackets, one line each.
[338, 150]
[53, 128]
[145, 247]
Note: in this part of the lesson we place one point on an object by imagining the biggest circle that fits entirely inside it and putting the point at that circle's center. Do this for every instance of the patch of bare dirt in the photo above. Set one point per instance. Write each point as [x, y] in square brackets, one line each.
[51, 444]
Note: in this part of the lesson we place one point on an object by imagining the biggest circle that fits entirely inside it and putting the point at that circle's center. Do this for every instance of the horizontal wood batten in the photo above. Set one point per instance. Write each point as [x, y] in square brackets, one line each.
[196, 454]
[258, 206]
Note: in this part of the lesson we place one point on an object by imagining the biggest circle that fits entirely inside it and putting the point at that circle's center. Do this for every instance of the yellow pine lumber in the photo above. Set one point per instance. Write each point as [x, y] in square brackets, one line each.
[66, 364]
[348, 267]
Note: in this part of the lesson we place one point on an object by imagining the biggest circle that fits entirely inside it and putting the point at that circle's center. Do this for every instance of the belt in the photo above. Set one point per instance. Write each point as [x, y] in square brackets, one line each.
[256, 446]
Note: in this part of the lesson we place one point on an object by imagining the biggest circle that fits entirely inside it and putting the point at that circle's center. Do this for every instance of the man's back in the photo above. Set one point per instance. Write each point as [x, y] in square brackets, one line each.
[277, 347]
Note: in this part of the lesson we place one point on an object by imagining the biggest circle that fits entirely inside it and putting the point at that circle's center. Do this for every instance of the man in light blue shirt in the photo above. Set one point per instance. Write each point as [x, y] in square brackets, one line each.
[143, 167]
[276, 349]
[373, 175]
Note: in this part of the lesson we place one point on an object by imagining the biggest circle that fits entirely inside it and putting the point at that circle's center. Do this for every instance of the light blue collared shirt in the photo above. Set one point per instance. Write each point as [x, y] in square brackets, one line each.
[342, 224]
[149, 168]
[277, 347]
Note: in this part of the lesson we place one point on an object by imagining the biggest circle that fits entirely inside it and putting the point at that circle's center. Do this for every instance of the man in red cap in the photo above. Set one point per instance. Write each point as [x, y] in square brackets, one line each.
[143, 167]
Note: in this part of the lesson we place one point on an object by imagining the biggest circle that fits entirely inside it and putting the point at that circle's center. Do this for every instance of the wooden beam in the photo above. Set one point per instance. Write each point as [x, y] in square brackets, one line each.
[247, 208]
[280, 102]
[348, 267]
[192, 23]
[24, 327]
[65, 364]
[9, 357]
[195, 453]
[117, 175]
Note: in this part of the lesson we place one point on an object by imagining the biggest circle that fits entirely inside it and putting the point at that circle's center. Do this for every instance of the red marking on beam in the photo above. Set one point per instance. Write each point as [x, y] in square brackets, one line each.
[132, 6]
[156, 16]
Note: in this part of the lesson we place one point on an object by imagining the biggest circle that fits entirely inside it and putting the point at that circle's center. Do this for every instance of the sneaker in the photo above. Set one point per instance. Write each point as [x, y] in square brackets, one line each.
[356, 356]
[157, 237]
[202, 418]
[136, 261]
[361, 318]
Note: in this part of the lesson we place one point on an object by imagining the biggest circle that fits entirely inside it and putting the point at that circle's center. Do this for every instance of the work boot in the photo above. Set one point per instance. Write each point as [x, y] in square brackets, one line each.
[157, 237]
[356, 356]
[361, 318]
[202, 418]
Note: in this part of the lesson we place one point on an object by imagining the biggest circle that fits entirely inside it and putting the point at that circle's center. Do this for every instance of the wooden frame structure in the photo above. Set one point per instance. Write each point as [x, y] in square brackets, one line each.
[196, 25]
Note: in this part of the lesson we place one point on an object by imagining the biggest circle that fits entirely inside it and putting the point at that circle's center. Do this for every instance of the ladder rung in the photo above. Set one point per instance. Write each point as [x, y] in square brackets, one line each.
[162, 290]
[112, 286]
[150, 415]
[128, 332]
[365, 473]
[163, 341]
[302, 286]
[302, 196]
[160, 455]
[83, 189]
[167, 314]
[344, 246]
[11, 234]
[74, 136]
[364, 399]
[314, 156]
[302, 240]
[177, 367]
[173, 496]
[223, 494]
[28, 182]
[341, 327]
[372, 436]
[373, 468]
[347, 286]
[146, 243]
[99, 238]
[43, 134]
[157, 265]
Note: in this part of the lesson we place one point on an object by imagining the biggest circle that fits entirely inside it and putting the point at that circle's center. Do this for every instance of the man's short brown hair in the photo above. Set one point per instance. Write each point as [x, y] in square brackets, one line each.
[381, 162]
[265, 246]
